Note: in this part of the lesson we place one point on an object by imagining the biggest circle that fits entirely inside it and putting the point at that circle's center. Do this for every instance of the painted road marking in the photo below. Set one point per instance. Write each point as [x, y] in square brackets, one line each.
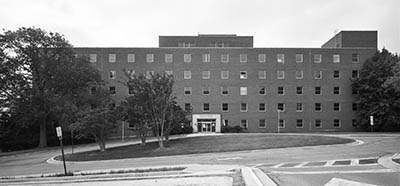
[344, 182]
[335, 171]
[329, 163]
[300, 165]
[278, 165]
[230, 158]
[354, 162]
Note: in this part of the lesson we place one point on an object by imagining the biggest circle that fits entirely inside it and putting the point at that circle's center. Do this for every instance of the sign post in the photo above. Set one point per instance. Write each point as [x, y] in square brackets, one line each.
[371, 121]
[59, 135]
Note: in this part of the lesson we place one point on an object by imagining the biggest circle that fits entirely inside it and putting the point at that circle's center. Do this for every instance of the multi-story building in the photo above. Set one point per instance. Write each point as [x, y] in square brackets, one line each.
[224, 80]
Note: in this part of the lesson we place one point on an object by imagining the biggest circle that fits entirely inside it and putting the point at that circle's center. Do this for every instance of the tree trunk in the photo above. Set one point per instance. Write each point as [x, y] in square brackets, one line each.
[161, 143]
[43, 134]
[143, 138]
[102, 145]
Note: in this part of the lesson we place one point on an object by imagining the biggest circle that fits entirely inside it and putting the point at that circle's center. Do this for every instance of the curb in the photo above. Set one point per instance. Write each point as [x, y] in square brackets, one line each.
[255, 177]
[387, 161]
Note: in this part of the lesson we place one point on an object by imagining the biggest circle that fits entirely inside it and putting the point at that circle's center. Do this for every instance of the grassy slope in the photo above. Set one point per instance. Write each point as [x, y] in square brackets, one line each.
[204, 144]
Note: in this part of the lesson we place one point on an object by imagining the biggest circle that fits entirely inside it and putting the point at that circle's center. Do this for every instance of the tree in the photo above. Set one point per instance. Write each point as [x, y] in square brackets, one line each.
[155, 93]
[377, 93]
[176, 118]
[136, 116]
[99, 119]
[41, 71]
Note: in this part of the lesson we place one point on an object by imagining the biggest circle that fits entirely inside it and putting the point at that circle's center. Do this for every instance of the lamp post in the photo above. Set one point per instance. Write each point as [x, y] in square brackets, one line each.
[279, 118]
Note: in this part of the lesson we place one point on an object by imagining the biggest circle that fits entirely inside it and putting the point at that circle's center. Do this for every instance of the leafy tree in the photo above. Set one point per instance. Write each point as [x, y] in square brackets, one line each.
[377, 92]
[97, 120]
[40, 73]
[155, 93]
[136, 116]
[176, 118]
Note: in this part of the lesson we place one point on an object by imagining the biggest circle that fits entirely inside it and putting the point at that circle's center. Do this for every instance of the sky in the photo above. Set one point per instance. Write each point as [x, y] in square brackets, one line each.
[138, 23]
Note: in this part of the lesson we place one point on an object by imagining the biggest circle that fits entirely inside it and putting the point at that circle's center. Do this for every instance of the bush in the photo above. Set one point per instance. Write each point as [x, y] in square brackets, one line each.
[229, 129]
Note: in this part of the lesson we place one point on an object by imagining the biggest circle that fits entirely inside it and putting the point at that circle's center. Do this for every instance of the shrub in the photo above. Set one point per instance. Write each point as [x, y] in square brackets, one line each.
[229, 129]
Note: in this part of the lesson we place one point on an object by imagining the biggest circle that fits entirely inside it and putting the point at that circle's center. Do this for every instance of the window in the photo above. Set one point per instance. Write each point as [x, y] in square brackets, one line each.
[131, 73]
[262, 123]
[92, 90]
[111, 58]
[243, 107]
[262, 107]
[354, 123]
[188, 107]
[206, 90]
[299, 58]
[187, 91]
[318, 91]
[206, 107]
[336, 74]
[262, 75]
[299, 123]
[149, 74]
[299, 74]
[112, 91]
[318, 107]
[187, 58]
[318, 123]
[243, 58]
[336, 58]
[131, 58]
[317, 74]
[225, 58]
[206, 58]
[226, 122]
[243, 74]
[93, 58]
[112, 74]
[281, 90]
[262, 91]
[354, 107]
[354, 74]
[281, 107]
[280, 74]
[131, 90]
[206, 74]
[317, 58]
[224, 74]
[355, 58]
[225, 107]
[281, 58]
[243, 123]
[281, 123]
[187, 74]
[299, 90]
[149, 58]
[337, 123]
[336, 106]
[243, 91]
[224, 91]
[169, 72]
[336, 90]
[262, 58]
[168, 58]
[299, 107]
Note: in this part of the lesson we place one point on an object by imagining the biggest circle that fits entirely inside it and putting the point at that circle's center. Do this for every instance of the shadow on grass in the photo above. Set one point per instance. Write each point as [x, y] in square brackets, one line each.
[206, 144]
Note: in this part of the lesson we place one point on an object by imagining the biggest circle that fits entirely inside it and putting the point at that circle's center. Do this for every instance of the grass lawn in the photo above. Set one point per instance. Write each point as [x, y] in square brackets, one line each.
[204, 144]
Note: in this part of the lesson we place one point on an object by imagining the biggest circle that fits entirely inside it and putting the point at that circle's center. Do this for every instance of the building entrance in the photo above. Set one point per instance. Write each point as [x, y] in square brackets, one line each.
[206, 125]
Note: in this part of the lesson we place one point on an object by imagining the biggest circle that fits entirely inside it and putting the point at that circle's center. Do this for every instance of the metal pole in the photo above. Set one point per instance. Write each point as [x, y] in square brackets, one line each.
[279, 118]
[62, 152]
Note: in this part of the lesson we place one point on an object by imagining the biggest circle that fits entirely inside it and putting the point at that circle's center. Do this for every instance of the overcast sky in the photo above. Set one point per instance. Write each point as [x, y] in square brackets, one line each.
[138, 23]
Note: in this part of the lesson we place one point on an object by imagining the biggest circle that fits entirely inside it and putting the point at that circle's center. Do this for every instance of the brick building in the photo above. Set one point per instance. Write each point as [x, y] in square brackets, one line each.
[226, 81]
